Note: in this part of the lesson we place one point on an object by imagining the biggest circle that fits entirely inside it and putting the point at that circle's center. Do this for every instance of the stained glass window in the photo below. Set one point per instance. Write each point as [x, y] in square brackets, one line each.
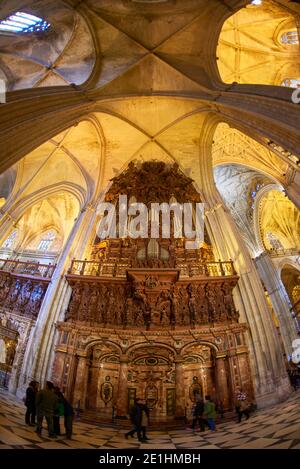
[10, 242]
[291, 82]
[21, 22]
[290, 38]
[46, 241]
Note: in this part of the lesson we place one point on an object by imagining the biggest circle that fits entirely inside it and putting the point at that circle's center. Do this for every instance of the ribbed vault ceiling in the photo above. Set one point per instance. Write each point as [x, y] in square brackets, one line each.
[149, 71]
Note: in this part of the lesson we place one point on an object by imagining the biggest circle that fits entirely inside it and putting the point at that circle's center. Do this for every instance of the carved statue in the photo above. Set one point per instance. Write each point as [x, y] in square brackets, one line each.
[157, 182]
[129, 312]
[193, 308]
[14, 293]
[163, 306]
[151, 282]
[119, 313]
[111, 308]
[141, 298]
[3, 320]
[75, 302]
[211, 303]
[174, 307]
[93, 300]
[2, 351]
[139, 319]
[221, 315]
[37, 295]
[228, 301]
[4, 288]
[24, 295]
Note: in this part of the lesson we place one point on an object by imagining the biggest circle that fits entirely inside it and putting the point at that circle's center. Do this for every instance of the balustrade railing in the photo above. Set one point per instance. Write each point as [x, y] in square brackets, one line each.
[27, 268]
[284, 252]
[111, 269]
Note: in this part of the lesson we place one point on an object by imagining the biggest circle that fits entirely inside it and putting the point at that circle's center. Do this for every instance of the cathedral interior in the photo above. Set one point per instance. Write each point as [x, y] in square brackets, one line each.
[164, 101]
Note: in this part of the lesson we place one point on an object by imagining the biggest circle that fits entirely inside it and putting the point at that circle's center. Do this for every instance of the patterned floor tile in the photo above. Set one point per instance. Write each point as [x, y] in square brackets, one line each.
[277, 427]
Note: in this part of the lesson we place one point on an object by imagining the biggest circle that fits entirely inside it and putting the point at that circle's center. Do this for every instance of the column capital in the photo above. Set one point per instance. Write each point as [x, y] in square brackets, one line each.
[81, 356]
[124, 359]
[222, 355]
[178, 361]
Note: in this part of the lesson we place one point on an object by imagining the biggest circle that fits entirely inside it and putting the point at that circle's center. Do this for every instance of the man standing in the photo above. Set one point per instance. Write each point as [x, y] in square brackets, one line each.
[69, 416]
[198, 414]
[46, 403]
[144, 420]
[31, 392]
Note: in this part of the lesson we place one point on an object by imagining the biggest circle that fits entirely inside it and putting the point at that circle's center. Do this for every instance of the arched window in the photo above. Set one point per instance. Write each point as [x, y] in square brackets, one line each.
[291, 82]
[10, 242]
[47, 241]
[290, 38]
[21, 22]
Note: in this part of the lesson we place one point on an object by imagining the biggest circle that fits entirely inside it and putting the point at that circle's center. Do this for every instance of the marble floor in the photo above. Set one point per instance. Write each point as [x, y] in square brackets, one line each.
[277, 427]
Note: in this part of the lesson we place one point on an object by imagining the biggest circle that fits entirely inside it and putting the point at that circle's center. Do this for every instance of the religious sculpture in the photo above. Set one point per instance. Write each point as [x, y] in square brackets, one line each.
[2, 351]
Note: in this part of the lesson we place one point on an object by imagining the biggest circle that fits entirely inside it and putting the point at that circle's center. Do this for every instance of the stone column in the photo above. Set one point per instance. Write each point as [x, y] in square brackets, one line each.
[58, 369]
[268, 367]
[179, 383]
[80, 383]
[122, 393]
[222, 381]
[279, 299]
[39, 355]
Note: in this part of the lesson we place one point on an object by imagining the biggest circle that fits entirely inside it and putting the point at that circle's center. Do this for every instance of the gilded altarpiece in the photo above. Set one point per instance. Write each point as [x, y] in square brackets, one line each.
[158, 323]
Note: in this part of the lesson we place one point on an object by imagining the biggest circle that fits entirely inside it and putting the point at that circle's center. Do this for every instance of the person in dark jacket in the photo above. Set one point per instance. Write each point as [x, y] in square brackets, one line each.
[30, 403]
[198, 411]
[136, 419]
[144, 419]
[59, 410]
[69, 416]
[46, 403]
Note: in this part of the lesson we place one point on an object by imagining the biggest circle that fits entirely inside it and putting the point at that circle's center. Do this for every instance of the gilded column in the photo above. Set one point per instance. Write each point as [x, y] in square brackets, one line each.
[222, 381]
[122, 393]
[80, 383]
[179, 380]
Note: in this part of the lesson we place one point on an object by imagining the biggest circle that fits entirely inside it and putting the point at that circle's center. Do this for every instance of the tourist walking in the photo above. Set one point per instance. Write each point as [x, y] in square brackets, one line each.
[210, 413]
[144, 420]
[136, 419]
[242, 406]
[198, 411]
